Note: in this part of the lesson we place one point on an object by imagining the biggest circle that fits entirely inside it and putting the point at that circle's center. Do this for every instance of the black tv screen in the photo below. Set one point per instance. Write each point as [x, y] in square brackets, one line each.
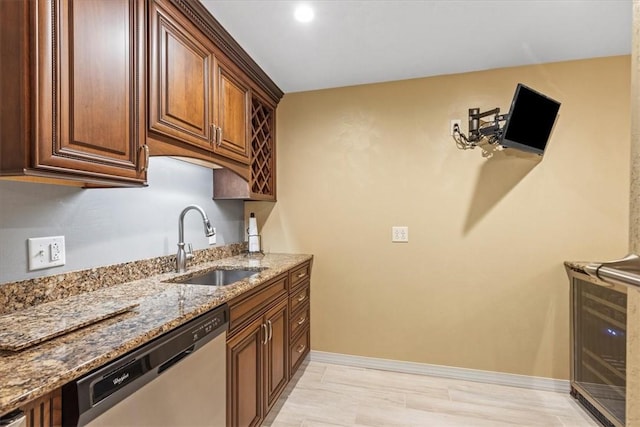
[530, 121]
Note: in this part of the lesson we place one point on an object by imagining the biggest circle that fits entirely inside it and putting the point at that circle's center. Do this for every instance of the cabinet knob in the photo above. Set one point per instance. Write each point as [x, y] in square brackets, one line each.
[301, 348]
[302, 297]
[302, 320]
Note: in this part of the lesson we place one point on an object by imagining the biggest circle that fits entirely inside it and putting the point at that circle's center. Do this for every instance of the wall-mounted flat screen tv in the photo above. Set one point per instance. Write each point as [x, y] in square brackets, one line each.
[531, 119]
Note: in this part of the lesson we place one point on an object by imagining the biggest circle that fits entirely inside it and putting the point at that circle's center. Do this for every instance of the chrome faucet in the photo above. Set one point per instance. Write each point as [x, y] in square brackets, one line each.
[184, 255]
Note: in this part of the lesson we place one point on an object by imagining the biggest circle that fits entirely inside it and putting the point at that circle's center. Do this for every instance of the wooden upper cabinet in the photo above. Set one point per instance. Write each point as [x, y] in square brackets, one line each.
[181, 79]
[79, 67]
[262, 171]
[233, 103]
[193, 97]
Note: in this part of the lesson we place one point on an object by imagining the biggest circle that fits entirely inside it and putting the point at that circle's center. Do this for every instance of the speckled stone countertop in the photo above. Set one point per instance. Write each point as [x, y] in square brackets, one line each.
[576, 265]
[162, 306]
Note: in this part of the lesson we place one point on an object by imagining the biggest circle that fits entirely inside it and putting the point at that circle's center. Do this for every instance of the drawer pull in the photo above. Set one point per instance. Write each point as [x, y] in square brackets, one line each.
[302, 297]
[302, 320]
[301, 275]
[301, 348]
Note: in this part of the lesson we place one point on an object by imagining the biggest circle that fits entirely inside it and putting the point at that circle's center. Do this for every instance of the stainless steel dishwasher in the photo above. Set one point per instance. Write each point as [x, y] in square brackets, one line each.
[178, 379]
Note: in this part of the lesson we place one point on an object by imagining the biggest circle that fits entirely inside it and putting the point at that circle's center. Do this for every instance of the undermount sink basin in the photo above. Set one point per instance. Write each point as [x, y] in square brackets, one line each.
[218, 277]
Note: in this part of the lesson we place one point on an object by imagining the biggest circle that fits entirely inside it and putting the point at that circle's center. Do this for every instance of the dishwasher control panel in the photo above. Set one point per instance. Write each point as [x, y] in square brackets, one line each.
[208, 325]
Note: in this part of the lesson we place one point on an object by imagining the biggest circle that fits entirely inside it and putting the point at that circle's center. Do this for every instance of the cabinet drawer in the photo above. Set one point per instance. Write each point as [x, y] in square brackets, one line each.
[299, 321]
[299, 349]
[246, 307]
[300, 274]
[299, 297]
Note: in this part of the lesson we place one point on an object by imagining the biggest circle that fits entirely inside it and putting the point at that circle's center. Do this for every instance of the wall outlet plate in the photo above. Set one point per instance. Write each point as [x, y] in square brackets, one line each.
[453, 123]
[46, 252]
[400, 234]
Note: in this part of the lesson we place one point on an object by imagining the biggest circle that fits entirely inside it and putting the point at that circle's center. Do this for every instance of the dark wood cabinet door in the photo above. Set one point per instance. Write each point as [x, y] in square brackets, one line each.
[180, 78]
[244, 376]
[276, 353]
[90, 87]
[46, 411]
[233, 105]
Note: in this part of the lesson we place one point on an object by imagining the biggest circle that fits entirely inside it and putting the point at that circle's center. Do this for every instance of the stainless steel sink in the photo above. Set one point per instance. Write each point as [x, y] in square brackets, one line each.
[218, 277]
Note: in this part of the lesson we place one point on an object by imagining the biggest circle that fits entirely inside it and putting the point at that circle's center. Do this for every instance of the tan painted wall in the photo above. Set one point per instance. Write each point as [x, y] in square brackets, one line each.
[481, 283]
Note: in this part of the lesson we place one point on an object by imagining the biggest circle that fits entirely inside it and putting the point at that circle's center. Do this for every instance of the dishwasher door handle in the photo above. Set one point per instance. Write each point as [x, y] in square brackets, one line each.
[175, 359]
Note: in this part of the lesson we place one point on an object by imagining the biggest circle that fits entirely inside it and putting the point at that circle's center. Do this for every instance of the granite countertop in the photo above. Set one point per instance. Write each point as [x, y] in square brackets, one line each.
[162, 306]
[576, 265]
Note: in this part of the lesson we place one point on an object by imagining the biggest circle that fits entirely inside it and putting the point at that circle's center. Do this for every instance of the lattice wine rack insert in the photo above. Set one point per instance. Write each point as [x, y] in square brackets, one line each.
[262, 155]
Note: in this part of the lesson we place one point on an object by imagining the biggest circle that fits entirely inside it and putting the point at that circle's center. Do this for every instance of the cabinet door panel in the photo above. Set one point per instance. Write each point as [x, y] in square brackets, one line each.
[233, 116]
[276, 366]
[45, 411]
[181, 76]
[100, 78]
[244, 380]
[88, 81]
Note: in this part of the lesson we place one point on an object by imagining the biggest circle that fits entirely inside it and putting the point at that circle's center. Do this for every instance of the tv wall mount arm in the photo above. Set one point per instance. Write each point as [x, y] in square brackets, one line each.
[480, 130]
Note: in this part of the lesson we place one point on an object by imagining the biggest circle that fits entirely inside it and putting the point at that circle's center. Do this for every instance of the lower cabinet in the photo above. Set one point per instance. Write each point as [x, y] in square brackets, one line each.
[45, 411]
[257, 366]
[268, 339]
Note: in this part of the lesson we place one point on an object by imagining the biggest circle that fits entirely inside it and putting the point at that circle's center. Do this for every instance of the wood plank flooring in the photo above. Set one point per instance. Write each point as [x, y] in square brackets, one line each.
[322, 394]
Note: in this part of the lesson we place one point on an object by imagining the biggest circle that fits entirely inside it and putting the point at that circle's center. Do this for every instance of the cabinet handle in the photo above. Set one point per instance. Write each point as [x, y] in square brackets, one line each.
[301, 275]
[265, 333]
[219, 136]
[301, 348]
[302, 297]
[145, 162]
[213, 133]
[270, 330]
[302, 320]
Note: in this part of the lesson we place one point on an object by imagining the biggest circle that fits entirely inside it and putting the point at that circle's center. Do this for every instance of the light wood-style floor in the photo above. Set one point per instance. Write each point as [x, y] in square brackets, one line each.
[323, 394]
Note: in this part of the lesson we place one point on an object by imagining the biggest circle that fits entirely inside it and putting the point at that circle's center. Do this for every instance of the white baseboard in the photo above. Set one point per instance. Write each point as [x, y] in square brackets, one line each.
[523, 381]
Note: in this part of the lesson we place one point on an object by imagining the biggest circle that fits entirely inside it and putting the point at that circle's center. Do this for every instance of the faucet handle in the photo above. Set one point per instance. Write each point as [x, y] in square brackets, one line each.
[189, 251]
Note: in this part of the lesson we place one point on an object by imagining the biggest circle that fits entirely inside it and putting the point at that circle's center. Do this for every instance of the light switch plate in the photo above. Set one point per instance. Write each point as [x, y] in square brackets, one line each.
[46, 252]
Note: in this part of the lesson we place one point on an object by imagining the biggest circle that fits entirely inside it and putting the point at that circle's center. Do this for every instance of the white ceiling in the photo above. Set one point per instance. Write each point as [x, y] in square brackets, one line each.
[356, 42]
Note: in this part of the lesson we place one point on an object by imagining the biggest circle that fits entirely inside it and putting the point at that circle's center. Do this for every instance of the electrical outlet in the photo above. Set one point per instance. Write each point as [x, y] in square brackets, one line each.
[452, 125]
[46, 252]
[400, 234]
[212, 239]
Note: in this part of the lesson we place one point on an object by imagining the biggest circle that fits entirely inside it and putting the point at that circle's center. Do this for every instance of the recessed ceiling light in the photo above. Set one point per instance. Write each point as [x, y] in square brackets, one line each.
[304, 13]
